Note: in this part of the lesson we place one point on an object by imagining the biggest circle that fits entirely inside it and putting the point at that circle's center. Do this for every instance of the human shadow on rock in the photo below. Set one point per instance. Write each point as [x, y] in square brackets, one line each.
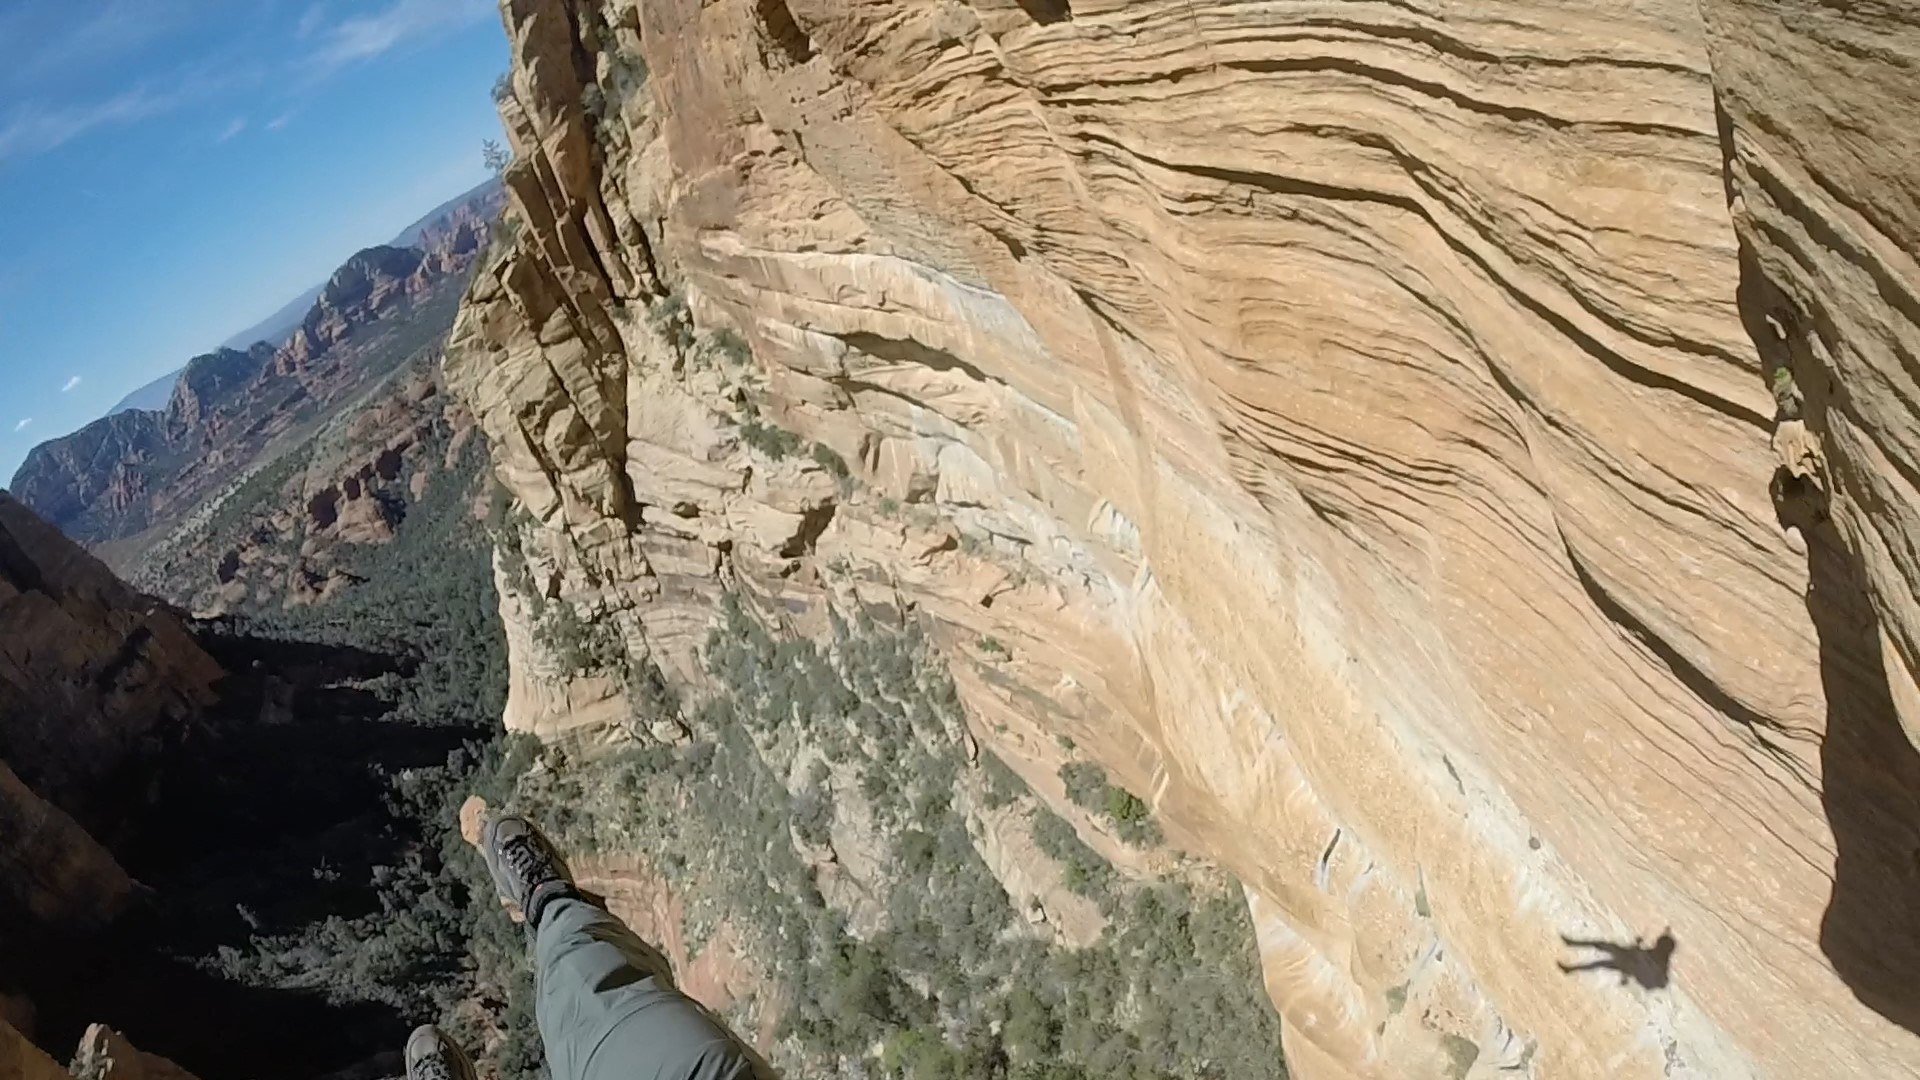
[1648, 963]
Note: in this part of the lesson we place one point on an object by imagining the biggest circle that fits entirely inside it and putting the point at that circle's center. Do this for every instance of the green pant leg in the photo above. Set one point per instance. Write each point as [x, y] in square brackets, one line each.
[608, 1009]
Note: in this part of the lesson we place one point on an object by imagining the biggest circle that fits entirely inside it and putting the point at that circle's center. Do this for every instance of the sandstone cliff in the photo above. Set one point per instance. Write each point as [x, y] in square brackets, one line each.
[1362, 426]
[369, 284]
[95, 681]
[209, 381]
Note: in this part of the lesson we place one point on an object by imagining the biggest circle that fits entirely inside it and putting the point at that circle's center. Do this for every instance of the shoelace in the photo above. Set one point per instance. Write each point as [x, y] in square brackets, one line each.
[432, 1068]
[527, 861]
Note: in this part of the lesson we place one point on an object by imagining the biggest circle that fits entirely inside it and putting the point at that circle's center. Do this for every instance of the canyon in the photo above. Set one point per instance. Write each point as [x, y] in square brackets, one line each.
[1456, 464]
[1014, 535]
[122, 483]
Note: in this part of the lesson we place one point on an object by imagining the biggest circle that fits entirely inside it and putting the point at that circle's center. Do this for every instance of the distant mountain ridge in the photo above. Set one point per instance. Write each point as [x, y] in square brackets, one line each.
[277, 328]
[488, 198]
[151, 397]
[120, 477]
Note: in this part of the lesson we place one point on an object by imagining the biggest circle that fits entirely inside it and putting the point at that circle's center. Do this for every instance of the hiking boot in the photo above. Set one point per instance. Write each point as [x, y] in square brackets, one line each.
[433, 1056]
[525, 867]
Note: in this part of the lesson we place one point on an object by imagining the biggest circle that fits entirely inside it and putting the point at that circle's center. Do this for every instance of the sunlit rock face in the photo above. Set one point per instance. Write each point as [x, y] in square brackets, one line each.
[1345, 421]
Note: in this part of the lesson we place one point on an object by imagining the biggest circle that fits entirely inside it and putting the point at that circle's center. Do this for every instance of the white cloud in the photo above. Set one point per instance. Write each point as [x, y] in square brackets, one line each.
[237, 126]
[279, 122]
[64, 44]
[71, 384]
[23, 425]
[36, 128]
[311, 19]
[367, 36]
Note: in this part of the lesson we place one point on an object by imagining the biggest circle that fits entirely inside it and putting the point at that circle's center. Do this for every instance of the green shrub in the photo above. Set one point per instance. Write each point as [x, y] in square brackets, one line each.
[670, 316]
[1084, 871]
[775, 442]
[1086, 783]
[830, 460]
[732, 347]
[1088, 787]
[950, 986]
[581, 645]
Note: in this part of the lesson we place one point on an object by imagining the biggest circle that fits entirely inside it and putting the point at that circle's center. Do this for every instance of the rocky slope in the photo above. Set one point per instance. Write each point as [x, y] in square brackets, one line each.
[220, 819]
[92, 673]
[1365, 429]
[290, 532]
[122, 482]
[99, 473]
[96, 683]
[103, 1055]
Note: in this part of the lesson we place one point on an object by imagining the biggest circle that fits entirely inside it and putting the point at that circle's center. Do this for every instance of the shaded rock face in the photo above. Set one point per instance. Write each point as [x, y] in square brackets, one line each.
[93, 675]
[1349, 426]
[1826, 183]
[96, 683]
[57, 875]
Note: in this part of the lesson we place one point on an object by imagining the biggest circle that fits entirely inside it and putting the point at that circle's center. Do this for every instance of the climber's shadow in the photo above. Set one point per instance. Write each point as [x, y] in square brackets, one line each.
[1649, 964]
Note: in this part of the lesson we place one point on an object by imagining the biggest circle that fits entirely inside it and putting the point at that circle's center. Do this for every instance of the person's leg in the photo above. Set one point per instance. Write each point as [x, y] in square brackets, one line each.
[604, 999]
[608, 1009]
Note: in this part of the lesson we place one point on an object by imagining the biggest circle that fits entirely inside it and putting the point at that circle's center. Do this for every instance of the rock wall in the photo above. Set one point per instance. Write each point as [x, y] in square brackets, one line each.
[58, 877]
[1826, 182]
[95, 680]
[104, 1054]
[93, 675]
[1345, 420]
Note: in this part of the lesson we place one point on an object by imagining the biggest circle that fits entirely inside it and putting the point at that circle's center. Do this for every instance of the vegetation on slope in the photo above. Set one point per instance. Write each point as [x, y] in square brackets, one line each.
[312, 900]
[357, 893]
[430, 941]
[859, 743]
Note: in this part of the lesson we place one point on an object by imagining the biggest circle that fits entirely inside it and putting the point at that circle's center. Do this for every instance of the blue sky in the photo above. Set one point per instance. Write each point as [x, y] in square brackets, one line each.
[172, 171]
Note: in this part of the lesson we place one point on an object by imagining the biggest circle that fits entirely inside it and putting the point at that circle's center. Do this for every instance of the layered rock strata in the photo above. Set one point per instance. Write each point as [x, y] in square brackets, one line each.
[1345, 420]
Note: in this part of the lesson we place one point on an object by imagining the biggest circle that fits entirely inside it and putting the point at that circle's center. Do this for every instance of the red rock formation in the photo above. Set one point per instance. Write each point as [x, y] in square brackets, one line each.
[124, 474]
[370, 285]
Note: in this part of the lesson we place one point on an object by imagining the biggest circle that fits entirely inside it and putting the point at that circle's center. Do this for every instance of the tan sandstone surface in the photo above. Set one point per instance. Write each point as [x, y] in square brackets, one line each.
[1347, 422]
